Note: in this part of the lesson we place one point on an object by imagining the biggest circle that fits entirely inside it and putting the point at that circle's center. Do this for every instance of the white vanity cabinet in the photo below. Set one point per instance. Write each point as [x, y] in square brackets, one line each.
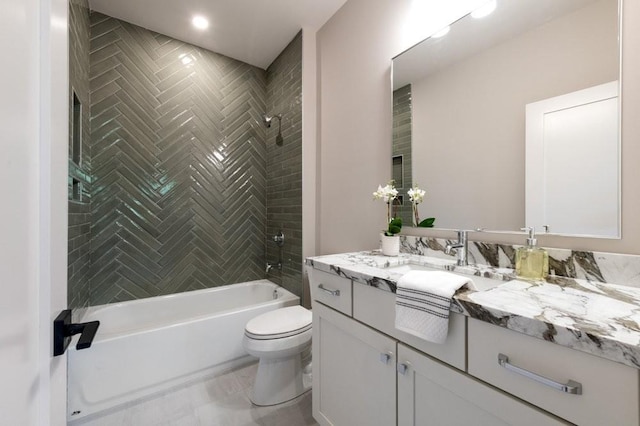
[331, 290]
[376, 308]
[576, 386]
[430, 393]
[354, 372]
[365, 372]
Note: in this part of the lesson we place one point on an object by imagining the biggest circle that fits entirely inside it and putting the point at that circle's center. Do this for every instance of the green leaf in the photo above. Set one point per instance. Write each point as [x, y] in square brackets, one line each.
[427, 223]
[394, 226]
[393, 229]
[396, 221]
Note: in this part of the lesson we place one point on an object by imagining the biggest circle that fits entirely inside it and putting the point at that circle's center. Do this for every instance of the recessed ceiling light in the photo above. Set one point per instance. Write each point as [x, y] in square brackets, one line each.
[485, 9]
[442, 32]
[200, 22]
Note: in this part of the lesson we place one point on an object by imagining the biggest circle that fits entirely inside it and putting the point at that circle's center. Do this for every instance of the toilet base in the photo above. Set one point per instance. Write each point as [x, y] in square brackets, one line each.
[281, 380]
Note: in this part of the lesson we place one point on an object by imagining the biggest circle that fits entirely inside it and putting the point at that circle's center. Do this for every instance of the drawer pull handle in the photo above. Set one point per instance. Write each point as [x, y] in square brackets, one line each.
[385, 358]
[403, 368]
[571, 386]
[329, 291]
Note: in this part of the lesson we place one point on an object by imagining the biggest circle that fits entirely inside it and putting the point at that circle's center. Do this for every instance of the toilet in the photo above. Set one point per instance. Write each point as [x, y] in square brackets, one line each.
[281, 339]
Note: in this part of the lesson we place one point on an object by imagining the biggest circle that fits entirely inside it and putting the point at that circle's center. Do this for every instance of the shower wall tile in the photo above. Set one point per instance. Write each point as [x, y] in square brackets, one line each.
[284, 165]
[179, 194]
[79, 211]
[402, 146]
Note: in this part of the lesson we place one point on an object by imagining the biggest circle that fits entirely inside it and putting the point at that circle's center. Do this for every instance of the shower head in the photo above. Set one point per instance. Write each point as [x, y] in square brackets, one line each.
[267, 121]
[268, 118]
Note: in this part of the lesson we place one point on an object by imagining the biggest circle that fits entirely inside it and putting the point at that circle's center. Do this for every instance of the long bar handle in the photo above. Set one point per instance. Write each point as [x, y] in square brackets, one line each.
[571, 387]
[329, 291]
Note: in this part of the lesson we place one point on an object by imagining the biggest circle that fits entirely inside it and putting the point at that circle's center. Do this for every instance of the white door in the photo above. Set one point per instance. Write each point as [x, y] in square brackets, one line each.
[354, 383]
[33, 134]
[573, 163]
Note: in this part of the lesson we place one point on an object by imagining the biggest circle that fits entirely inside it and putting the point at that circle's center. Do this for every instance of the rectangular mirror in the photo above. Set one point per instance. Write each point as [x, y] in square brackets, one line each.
[462, 100]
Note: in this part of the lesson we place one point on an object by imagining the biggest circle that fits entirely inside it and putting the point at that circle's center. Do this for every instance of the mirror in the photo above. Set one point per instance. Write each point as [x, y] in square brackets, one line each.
[460, 126]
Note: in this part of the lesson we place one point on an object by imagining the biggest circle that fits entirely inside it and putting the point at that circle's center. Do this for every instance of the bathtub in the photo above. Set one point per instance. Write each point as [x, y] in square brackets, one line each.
[150, 345]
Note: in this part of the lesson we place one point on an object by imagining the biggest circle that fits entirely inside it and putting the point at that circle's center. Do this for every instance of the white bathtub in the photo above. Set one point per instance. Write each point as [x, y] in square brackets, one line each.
[146, 346]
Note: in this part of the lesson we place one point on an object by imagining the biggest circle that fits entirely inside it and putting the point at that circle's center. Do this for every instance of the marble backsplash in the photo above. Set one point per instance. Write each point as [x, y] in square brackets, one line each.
[611, 268]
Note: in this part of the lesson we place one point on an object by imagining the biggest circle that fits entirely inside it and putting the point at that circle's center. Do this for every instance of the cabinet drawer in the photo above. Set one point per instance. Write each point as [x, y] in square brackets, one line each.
[609, 394]
[377, 308]
[430, 393]
[332, 290]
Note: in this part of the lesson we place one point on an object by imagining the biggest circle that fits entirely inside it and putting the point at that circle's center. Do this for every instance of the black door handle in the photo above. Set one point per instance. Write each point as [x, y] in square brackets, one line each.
[63, 329]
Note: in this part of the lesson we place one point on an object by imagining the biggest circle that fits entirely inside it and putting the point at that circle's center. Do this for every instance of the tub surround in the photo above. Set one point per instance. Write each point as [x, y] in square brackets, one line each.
[598, 318]
[172, 191]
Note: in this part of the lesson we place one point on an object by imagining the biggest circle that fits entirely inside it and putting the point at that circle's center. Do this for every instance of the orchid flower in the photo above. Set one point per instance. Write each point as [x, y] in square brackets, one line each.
[387, 193]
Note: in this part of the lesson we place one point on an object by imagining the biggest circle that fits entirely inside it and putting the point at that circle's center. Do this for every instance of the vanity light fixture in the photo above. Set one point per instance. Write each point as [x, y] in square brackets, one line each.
[484, 10]
[200, 22]
[442, 32]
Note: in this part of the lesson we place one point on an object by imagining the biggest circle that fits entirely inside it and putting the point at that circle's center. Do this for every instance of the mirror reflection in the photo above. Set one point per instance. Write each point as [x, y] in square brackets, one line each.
[461, 131]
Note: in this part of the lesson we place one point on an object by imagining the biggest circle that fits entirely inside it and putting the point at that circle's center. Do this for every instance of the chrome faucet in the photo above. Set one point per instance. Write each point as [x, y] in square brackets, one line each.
[461, 247]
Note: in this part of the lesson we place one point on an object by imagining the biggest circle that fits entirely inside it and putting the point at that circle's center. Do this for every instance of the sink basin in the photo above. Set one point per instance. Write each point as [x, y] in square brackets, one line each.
[482, 283]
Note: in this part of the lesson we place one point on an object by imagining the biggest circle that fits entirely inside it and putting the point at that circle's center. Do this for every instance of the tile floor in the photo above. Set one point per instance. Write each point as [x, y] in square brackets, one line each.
[217, 401]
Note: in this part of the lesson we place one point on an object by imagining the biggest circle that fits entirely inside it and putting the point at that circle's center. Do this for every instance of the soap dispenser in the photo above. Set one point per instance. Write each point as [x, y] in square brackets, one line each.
[532, 262]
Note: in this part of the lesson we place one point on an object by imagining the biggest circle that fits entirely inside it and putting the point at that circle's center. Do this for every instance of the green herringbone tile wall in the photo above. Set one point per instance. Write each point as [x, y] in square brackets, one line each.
[79, 214]
[284, 165]
[402, 146]
[178, 162]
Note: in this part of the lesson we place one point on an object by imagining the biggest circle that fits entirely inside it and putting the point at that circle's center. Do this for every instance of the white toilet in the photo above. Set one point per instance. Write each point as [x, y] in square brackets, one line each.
[281, 339]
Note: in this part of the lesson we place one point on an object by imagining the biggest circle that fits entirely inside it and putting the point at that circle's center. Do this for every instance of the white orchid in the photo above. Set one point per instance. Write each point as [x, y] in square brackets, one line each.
[387, 193]
[416, 195]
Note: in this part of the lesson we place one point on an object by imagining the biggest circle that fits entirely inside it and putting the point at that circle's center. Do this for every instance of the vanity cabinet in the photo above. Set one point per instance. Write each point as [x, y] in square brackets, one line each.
[376, 308]
[354, 372]
[332, 290]
[366, 374]
[576, 386]
[430, 393]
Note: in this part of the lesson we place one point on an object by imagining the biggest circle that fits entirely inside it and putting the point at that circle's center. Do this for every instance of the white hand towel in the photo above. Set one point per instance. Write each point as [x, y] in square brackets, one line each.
[423, 299]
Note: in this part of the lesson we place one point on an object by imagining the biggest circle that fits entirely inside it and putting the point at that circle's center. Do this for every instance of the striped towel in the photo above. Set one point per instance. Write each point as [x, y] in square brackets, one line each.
[423, 299]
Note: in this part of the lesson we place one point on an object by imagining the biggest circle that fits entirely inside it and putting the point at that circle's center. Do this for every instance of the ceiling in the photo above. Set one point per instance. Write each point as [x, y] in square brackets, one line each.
[252, 31]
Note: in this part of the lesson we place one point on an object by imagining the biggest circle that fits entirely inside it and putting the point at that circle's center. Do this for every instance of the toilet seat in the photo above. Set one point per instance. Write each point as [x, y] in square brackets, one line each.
[279, 323]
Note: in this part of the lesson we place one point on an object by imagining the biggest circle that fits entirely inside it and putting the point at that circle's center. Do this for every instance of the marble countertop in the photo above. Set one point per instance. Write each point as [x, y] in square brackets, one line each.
[597, 318]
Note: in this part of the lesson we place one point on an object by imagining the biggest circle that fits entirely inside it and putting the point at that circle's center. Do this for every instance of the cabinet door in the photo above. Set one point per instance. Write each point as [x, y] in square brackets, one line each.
[354, 375]
[430, 393]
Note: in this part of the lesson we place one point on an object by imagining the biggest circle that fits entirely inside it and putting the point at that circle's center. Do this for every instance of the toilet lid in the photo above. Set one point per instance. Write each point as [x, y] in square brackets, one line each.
[279, 323]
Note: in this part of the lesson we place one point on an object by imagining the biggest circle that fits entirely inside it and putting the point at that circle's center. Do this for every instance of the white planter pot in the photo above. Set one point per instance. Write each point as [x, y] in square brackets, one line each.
[390, 246]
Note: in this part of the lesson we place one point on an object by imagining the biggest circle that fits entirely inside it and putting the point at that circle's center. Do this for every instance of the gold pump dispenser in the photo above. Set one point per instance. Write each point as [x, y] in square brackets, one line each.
[532, 262]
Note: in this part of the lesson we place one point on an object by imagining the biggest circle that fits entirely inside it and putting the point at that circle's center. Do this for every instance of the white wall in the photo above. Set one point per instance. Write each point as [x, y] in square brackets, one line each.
[33, 215]
[355, 49]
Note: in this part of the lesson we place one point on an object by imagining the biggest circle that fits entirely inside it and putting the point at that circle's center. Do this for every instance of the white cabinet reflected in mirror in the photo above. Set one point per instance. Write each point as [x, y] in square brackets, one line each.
[461, 101]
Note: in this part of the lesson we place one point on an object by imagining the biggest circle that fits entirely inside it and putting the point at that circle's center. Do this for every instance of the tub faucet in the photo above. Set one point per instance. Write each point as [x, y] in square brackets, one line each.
[461, 247]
